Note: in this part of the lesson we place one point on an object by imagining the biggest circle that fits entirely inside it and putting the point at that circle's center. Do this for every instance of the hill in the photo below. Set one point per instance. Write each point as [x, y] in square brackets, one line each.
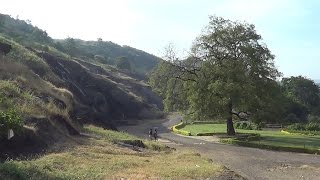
[48, 90]
[105, 52]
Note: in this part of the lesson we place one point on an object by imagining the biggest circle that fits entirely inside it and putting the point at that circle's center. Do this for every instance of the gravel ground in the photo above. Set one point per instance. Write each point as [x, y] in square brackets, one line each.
[250, 163]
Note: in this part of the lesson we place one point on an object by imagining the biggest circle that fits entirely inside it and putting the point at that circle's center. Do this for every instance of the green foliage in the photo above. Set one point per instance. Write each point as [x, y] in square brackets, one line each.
[314, 119]
[112, 136]
[302, 90]
[273, 139]
[312, 126]
[20, 54]
[140, 61]
[10, 119]
[244, 125]
[177, 129]
[22, 31]
[123, 63]
[28, 35]
[230, 69]
[296, 127]
[303, 132]
[155, 146]
[70, 46]
[270, 146]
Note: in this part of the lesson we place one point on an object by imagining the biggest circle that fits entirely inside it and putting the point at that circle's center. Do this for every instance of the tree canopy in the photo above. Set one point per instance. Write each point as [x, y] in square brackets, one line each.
[229, 72]
[123, 63]
[302, 90]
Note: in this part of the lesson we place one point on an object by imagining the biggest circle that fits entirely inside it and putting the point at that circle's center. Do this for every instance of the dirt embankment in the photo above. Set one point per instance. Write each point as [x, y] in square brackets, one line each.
[103, 97]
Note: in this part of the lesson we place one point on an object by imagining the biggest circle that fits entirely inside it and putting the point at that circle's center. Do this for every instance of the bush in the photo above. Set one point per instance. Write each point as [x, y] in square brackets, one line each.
[248, 137]
[308, 133]
[246, 125]
[312, 127]
[304, 127]
[314, 119]
[10, 119]
[297, 127]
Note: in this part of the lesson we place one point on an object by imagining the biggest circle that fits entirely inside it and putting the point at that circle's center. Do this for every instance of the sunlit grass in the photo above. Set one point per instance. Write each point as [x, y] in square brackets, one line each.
[268, 137]
[100, 158]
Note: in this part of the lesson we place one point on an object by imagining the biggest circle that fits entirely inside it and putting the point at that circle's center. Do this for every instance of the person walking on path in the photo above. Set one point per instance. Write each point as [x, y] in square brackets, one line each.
[150, 133]
[155, 134]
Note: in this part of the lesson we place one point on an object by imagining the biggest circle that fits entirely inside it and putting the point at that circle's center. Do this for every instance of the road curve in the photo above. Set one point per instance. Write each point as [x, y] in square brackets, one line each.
[250, 163]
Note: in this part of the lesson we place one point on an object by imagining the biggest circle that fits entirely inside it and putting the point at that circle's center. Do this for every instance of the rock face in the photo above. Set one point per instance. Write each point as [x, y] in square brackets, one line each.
[4, 48]
[104, 97]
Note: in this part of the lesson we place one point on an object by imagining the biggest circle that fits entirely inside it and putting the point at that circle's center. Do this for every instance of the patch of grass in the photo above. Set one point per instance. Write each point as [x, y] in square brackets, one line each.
[99, 158]
[155, 146]
[205, 128]
[178, 129]
[25, 102]
[115, 137]
[20, 54]
[109, 135]
[268, 138]
[309, 133]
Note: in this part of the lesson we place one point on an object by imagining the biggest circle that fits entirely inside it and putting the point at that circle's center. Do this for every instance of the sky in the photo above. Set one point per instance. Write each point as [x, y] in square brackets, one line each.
[290, 28]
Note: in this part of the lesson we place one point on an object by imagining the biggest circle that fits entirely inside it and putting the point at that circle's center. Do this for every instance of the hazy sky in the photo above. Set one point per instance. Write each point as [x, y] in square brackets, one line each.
[290, 28]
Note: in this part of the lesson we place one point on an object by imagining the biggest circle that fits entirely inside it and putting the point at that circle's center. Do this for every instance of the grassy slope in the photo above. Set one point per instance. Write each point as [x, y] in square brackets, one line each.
[99, 158]
[269, 137]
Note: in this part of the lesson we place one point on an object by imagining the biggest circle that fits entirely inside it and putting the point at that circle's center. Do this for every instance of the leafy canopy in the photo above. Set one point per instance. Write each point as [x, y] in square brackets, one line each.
[228, 72]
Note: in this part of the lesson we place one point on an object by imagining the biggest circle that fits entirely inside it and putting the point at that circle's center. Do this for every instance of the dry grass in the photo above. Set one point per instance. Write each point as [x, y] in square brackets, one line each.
[99, 158]
[15, 75]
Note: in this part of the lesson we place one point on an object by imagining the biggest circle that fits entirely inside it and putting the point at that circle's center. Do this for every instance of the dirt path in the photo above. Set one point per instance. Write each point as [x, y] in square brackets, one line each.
[250, 163]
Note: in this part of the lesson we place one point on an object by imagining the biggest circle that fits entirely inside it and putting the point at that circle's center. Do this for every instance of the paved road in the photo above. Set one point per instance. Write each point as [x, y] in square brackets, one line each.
[250, 163]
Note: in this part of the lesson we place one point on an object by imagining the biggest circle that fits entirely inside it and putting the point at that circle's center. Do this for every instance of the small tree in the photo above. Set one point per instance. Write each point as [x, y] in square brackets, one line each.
[10, 119]
[123, 63]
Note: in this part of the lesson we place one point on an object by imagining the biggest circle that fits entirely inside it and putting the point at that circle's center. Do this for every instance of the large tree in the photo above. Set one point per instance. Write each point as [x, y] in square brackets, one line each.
[302, 91]
[229, 72]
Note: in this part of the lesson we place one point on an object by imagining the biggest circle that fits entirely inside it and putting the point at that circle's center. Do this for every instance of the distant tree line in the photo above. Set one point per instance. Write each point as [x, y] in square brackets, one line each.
[104, 52]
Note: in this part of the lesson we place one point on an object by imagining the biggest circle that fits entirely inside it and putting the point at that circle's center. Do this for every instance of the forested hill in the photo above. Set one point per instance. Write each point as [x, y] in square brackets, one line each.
[105, 52]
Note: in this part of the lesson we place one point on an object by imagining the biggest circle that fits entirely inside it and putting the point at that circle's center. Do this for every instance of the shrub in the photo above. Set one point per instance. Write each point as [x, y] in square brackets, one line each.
[246, 125]
[248, 137]
[312, 127]
[297, 127]
[308, 133]
[314, 119]
[10, 119]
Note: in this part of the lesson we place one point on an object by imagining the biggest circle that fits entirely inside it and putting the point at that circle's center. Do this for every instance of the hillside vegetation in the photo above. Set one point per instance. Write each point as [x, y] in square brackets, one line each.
[48, 88]
[105, 52]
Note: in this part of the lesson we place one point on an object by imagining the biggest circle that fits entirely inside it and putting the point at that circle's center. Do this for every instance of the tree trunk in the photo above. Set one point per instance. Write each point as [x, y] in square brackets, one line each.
[230, 128]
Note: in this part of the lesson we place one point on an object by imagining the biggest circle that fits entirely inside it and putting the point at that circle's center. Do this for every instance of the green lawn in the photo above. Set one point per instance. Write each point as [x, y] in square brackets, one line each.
[275, 138]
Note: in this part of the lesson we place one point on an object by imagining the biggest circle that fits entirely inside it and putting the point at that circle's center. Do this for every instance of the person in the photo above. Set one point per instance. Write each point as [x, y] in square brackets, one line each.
[155, 135]
[150, 133]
